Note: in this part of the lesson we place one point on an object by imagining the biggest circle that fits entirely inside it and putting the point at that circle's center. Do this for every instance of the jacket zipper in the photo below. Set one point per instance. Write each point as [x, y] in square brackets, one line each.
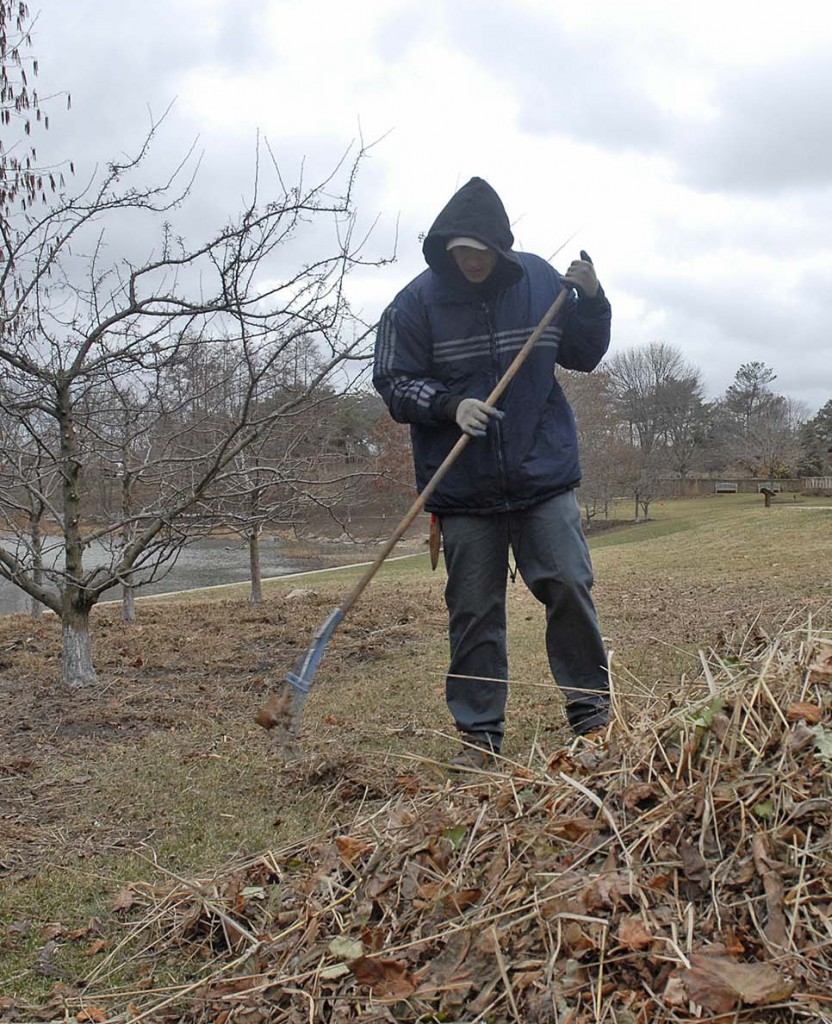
[496, 424]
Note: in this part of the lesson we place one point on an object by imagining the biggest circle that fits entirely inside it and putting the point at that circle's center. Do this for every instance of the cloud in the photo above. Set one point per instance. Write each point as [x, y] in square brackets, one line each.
[765, 136]
[567, 82]
[649, 85]
[682, 141]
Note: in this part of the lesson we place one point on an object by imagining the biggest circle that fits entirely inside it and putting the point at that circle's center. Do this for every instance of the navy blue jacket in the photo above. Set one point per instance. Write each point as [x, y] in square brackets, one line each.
[443, 339]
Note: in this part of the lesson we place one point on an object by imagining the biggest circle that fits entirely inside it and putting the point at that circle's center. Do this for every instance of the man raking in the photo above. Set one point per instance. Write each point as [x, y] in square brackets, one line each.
[442, 344]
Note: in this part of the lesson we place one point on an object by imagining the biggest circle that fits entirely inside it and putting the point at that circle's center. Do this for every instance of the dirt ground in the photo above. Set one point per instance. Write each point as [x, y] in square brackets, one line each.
[160, 771]
[195, 671]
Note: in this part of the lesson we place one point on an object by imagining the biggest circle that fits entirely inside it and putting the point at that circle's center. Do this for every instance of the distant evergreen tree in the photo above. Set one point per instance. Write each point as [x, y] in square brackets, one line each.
[816, 443]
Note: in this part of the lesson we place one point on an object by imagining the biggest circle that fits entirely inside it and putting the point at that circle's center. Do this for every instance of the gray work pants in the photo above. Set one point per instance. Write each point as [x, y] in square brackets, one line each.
[553, 558]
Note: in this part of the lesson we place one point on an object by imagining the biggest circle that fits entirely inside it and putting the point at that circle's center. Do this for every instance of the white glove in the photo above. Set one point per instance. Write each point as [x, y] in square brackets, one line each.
[472, 416]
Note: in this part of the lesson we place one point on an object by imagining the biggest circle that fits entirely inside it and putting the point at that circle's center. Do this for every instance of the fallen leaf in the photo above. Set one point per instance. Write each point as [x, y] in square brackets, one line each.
[253, 892]
[479, 1005]
[823, 742]
[633, 934]
[123, 899]
[661, 881]
[575, 940]
[608, 891]
[801, 710]
[674, 992]
[387, 978]
[334, 972]
[775, 928]
[821, 668]
[455, 835]
[409, 783]
[351, 849]
[764, 811]
[800, 737]
[277, 711]
[380, 882]
[346, 948]
[719, 984]
[439, 971]
[696, 870]
[96, 947]
[576, 828]
[94, 1014]
[638, 793]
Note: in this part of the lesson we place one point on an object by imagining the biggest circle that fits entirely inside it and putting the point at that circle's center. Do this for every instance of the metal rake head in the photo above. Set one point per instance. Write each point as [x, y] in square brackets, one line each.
[284, 710]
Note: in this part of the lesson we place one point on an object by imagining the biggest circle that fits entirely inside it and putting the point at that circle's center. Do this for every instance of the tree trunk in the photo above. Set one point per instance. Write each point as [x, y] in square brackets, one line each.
[128, 534]
[256, 596]
[77, 668]
[128, 603]
[36, 537]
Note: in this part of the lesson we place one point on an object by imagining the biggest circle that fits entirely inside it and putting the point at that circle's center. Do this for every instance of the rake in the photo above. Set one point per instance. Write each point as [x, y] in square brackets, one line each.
[284, 710]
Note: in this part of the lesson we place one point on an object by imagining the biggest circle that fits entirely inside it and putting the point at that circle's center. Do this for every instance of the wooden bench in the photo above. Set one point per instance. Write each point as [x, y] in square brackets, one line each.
[725, 487]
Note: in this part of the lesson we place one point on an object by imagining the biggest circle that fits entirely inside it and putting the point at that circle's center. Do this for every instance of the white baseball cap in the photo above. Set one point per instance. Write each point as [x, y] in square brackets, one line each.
[472, 243]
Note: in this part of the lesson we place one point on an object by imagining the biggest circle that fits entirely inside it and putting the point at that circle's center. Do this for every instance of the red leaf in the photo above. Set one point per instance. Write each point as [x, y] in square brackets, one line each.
[387, 978]
[92, 1015]
[801, 710]
[351, 849]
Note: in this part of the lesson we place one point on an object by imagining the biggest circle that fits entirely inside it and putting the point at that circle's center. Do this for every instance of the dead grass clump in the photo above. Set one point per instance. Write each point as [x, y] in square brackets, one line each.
[680, 869]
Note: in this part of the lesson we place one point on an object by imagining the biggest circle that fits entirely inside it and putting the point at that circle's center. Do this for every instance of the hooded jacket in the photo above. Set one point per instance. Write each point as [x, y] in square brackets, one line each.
[443, 339]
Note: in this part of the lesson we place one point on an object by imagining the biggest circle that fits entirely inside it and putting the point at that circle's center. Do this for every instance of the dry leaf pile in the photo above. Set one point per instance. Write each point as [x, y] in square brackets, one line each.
[680, 870]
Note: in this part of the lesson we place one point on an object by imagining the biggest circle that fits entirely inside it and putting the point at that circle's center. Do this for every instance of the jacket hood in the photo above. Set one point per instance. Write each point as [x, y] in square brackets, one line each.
[475, 211]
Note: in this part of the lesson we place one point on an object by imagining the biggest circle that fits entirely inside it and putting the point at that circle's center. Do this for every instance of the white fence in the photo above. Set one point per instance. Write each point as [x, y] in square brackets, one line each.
[817, 483]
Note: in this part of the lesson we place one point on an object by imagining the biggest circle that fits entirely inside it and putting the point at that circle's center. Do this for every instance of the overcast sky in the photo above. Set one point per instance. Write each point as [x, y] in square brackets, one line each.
[686, 146]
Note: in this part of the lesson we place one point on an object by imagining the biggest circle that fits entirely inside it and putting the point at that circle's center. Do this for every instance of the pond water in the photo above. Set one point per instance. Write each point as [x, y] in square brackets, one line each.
[204, 563]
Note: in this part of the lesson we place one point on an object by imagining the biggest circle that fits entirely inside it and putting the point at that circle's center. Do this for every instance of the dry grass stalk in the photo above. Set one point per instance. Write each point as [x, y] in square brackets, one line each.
[680, 870]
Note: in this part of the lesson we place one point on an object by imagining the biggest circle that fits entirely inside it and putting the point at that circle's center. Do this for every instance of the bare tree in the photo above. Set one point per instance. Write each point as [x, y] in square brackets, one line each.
[658, 395]
[656, 392]
[600, 440]
[310, 464]
[78, 327]
[395, 479]
[29, 483]
[23, 178]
